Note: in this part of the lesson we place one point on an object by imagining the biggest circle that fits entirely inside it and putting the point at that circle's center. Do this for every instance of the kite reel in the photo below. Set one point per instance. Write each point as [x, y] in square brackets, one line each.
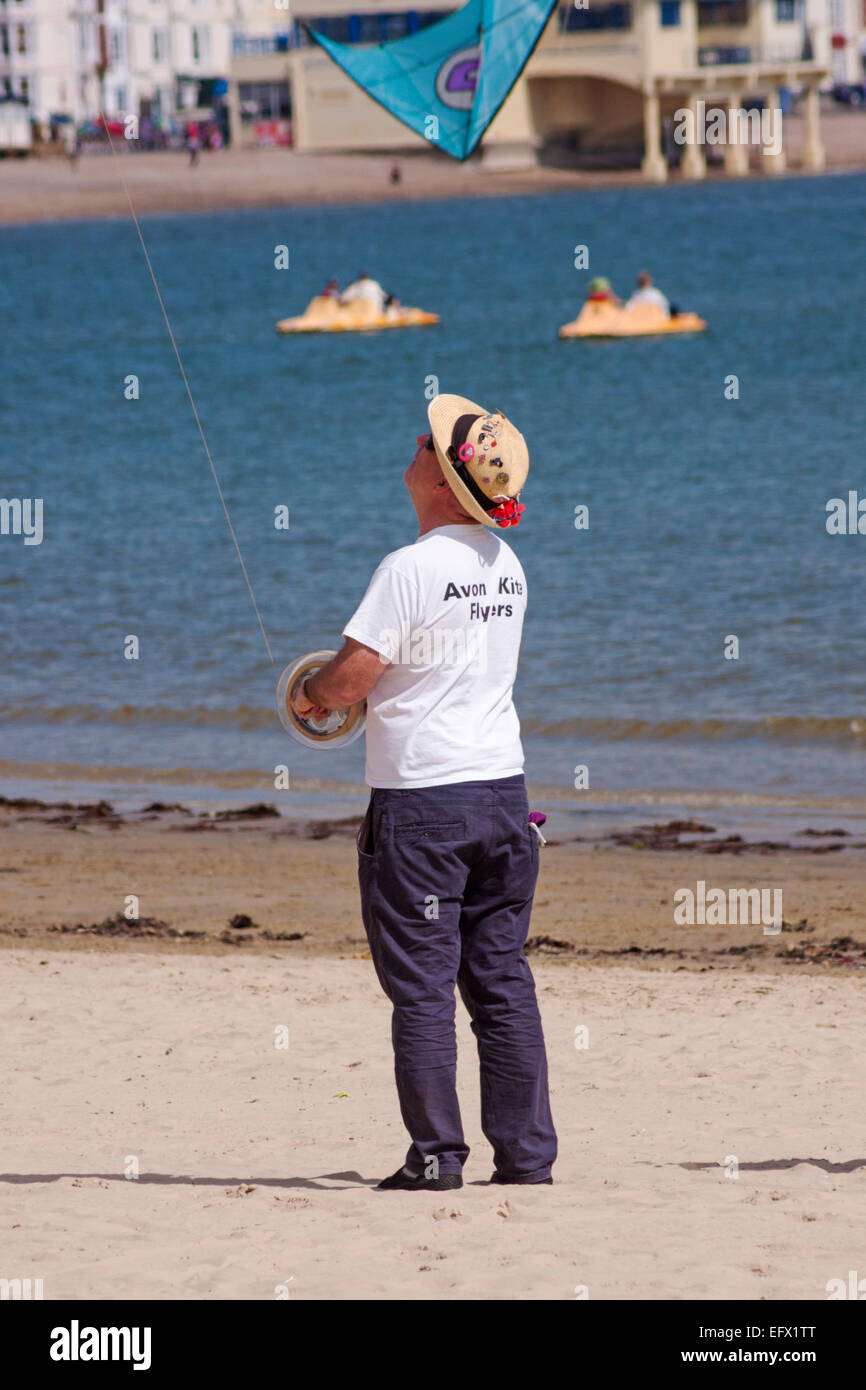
[337, 729]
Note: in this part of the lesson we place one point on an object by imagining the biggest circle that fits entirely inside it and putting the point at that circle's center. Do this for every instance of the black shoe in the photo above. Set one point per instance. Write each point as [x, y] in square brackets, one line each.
[401, 1181]
[521, 1182]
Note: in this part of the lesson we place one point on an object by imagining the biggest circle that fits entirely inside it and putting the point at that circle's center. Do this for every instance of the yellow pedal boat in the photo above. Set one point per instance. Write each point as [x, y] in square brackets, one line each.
[599, 320]
[324, 315]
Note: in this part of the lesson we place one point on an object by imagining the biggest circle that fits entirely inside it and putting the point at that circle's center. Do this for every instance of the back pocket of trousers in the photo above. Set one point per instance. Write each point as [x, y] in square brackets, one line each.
[434, 832]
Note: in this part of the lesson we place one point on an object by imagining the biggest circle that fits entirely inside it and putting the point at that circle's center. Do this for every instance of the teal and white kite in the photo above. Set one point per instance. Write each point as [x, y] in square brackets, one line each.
[448, 81]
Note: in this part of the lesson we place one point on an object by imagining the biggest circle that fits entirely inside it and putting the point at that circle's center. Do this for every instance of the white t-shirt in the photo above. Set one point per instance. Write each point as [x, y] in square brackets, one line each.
[369, 290]
[447, 615]
[650, 295]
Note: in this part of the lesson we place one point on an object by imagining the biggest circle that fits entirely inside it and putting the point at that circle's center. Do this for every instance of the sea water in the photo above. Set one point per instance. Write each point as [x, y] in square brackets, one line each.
[706, 464]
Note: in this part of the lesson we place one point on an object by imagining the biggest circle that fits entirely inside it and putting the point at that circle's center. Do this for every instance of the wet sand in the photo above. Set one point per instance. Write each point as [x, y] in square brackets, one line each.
[249, 879]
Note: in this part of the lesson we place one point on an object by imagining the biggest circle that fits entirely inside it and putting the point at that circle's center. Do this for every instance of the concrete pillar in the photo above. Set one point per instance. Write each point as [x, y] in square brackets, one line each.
[736, 154]
[653, 168]
[693, 164]
[766, 28]
[511, 143]
[301, 134]
[814, 156]
[774, 163]
[234, 106]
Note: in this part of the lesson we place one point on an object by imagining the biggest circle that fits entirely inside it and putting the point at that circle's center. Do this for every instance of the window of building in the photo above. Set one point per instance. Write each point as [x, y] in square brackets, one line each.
[200, 44]
[368, 28]
[718, 13]
[786, 11]
[4, 40]
[264, 101]
[116, 46]
[159, 45]
[21, 35]
[617, 16]
[670, 13]
[24, 88]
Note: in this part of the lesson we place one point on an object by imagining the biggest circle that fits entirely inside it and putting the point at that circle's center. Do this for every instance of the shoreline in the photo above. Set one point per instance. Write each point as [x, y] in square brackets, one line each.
[129, 788]
[598, 812]
[48, 189]
[168, 878]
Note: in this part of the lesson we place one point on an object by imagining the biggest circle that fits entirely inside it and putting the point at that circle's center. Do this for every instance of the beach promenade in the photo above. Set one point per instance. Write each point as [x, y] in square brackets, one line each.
[50, 189]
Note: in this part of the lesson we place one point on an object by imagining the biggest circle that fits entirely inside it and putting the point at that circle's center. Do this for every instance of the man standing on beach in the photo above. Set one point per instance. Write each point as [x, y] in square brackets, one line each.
[447, 858]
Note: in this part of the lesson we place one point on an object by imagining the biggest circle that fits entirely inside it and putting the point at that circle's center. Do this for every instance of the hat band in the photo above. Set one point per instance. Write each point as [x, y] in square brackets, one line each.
[459, 435]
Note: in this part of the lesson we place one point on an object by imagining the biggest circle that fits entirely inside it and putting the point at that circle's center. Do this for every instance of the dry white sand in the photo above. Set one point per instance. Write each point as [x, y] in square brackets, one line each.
[255, 1171]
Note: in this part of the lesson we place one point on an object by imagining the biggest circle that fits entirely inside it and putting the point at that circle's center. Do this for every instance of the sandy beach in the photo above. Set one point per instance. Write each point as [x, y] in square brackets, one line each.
[50, 189]
[137, 1051]
[256, 1164]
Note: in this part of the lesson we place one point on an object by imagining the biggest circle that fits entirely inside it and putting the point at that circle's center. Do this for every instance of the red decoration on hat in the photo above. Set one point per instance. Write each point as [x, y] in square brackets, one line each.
[466, 452]
[508, 512]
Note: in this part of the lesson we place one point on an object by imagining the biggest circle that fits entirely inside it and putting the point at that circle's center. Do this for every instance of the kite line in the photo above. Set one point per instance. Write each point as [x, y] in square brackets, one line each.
[196, 416]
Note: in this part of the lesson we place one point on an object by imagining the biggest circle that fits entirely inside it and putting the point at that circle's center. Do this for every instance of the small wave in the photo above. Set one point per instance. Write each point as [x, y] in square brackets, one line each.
[237, 717]
[75, 778]
[840, 729]
[239, 779]
[780, 728]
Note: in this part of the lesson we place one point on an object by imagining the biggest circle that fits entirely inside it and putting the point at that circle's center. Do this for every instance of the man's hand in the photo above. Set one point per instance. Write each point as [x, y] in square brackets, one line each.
[304, 707]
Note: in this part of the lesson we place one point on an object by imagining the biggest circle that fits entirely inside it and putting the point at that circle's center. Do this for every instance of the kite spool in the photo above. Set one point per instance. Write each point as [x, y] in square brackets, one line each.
[337, 729]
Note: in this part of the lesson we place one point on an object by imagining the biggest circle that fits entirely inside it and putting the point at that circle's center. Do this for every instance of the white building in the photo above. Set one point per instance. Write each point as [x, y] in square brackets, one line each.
[160, 57]
[837, 29]
[160, 53]
[46, 48]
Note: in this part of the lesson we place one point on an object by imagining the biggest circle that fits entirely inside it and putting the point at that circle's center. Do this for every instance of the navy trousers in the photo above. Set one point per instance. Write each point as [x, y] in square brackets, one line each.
[447, 876]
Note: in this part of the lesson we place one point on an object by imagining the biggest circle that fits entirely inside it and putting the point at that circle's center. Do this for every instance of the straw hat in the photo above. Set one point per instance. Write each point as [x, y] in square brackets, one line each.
[483, 457]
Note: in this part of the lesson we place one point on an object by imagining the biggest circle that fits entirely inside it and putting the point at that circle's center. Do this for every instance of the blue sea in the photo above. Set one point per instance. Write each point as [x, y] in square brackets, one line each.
[707, 515]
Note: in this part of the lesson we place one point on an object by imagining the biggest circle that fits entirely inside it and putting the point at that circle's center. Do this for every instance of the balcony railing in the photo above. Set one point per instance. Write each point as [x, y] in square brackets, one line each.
[244, 47]
[716, 56]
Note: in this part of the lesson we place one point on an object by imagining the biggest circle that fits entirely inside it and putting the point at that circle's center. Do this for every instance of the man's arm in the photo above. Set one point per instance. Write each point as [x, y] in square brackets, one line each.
[345, 679]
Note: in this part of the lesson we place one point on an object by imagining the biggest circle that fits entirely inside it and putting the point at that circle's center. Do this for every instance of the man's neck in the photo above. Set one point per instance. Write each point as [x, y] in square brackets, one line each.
[434, 523]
